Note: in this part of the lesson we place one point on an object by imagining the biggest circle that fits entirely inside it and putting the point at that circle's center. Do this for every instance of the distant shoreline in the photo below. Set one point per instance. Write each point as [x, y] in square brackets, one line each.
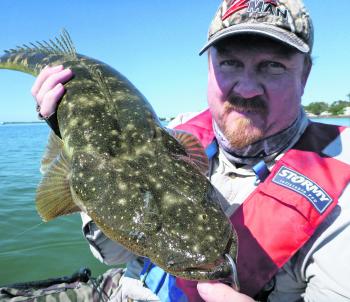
[328, 116]
[171, 118]
[33, 122]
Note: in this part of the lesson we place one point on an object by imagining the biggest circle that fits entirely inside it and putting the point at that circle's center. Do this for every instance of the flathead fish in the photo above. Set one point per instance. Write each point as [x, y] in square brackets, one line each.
[141, 186]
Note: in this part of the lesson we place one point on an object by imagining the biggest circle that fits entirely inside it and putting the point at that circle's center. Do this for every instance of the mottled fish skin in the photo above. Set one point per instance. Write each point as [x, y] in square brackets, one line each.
[127, 173]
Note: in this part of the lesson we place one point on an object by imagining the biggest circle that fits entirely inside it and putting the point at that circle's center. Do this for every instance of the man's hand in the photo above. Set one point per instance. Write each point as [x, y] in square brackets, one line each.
[219, 292]
[48, 88]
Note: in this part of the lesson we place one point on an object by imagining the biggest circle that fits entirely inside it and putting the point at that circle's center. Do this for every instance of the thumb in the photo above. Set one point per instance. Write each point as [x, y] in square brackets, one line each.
[219, 292]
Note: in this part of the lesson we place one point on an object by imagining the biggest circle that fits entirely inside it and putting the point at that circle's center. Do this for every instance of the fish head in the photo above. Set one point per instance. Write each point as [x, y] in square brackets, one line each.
[191, 233]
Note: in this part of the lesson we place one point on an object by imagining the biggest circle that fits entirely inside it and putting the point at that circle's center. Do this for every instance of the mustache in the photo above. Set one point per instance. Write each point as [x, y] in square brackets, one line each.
[254, 104]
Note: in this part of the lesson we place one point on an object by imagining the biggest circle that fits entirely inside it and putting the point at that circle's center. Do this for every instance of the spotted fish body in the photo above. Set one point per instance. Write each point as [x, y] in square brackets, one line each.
[119, 165]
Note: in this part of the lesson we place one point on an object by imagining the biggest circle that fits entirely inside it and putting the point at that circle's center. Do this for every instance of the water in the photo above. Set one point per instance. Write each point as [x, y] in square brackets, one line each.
[344, 121]
[30, 249]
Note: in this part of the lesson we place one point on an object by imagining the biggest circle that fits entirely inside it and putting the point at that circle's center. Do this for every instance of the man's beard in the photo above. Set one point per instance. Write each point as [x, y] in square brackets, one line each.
[244, 132]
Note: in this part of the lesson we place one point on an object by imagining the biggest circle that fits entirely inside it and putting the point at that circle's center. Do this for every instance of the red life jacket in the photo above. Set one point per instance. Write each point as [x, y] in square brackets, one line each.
[283, 212]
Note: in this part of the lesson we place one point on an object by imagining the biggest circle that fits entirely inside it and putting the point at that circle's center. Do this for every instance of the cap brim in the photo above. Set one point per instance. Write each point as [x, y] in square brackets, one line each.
[261, 29]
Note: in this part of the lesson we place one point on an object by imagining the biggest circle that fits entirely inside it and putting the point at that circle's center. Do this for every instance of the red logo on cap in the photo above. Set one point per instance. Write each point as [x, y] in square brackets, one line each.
[236, 5]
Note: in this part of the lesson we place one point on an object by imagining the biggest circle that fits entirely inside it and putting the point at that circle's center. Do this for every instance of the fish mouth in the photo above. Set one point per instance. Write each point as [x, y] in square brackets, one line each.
[226, 272]
[220, 268]
[206, 267]
[209, 267]
[223, 268]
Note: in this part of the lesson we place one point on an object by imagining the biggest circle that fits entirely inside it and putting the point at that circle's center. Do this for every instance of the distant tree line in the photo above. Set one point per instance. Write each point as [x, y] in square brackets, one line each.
[336, 108]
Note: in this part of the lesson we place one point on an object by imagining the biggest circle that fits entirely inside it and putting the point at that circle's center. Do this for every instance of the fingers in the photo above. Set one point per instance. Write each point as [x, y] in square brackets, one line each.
[48, 88]
[219, 292]
[50, 80]
[43, 75]
[51, 98]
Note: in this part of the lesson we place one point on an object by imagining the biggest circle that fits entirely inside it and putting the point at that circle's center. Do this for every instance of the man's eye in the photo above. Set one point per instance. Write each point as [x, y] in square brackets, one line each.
[232, 63]
[273, 68]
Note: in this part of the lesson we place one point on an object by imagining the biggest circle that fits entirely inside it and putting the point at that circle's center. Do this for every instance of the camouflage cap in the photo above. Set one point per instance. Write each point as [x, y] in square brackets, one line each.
[285, 20]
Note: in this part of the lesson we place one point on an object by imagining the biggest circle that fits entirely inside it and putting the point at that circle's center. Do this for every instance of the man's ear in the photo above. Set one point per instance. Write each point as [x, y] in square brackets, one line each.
[209, 57]
[306, 71]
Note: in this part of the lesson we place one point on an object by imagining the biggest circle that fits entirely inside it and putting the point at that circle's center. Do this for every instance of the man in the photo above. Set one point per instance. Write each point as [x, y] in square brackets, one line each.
[291, 211]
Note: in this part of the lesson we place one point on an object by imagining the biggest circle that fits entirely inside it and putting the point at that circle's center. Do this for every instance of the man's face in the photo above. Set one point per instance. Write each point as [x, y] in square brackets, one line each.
[254, 91]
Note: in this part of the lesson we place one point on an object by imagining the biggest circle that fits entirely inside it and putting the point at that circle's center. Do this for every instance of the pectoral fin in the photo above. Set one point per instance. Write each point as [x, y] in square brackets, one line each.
[193, 147]
[54, 147]
[54, 197]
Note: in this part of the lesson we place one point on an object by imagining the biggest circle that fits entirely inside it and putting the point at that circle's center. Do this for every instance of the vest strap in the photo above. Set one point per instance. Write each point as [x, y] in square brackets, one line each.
[261, 171]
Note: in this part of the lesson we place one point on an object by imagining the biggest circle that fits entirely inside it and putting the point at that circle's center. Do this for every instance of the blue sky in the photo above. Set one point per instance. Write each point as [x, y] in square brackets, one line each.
[155, 44]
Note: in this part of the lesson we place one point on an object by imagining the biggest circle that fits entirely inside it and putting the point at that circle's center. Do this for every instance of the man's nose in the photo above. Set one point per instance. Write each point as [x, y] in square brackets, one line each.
[248, 86]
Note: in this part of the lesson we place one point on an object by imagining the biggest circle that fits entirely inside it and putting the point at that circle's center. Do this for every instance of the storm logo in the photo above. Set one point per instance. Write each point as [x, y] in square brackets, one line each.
[300, 184]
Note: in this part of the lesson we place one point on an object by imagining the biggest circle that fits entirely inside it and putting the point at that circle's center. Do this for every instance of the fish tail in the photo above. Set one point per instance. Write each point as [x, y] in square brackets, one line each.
[34, 57]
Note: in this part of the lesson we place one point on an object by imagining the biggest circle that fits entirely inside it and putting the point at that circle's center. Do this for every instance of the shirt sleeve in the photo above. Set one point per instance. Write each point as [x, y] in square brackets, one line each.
[103, 248]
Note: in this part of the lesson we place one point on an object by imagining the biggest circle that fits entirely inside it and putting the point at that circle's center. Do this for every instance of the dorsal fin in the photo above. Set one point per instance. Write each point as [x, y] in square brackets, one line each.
[63, 45]
[98, 76]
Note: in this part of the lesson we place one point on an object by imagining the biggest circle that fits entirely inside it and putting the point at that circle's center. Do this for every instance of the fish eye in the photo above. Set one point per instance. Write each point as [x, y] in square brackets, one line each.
[202, 217]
